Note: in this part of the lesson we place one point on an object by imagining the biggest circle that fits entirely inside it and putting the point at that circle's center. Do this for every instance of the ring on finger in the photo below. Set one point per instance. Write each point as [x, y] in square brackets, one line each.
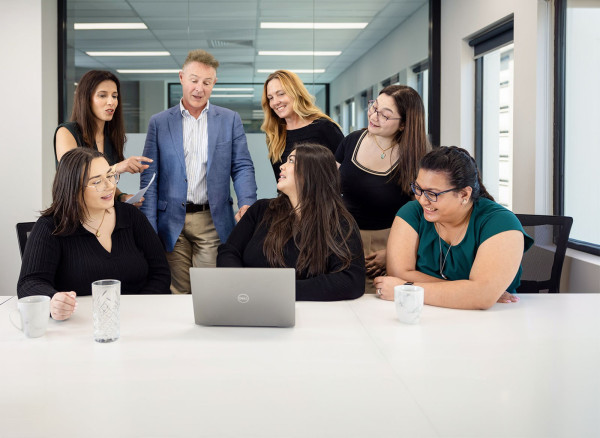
[378, 292]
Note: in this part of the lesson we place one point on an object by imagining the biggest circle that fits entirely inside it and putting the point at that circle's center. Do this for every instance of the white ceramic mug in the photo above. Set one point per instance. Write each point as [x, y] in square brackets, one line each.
[35, 312]
[409, 301]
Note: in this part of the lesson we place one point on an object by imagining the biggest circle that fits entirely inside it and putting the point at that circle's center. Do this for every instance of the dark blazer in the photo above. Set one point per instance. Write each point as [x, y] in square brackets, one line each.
[228, 159]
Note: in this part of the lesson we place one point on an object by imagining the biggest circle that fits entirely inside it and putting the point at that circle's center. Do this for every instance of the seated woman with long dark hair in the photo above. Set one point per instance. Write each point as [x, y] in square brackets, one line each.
[306, 227]
[86, 236]
[455, 241]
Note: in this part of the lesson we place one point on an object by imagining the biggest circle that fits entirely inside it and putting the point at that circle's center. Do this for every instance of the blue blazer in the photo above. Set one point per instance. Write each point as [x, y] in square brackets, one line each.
[228, 158]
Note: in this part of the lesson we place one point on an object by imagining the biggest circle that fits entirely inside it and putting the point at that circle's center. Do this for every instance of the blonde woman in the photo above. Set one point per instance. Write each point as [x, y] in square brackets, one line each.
[292, 118]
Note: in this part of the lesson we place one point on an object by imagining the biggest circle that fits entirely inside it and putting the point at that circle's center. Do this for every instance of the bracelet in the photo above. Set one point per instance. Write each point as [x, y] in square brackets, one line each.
[119, 195]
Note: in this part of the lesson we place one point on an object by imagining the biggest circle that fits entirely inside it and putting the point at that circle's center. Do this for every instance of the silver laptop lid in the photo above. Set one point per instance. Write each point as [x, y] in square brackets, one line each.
[263, 297]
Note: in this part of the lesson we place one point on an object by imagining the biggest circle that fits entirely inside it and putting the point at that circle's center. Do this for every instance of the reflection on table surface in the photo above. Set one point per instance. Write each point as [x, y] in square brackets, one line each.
[4, 299]
[348, 369]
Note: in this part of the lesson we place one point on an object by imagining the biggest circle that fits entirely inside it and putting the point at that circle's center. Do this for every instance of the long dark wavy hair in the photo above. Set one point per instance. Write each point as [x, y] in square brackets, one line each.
[68, 204]
[84, 116]
[412, 139]
[460, 167]
[323, 226]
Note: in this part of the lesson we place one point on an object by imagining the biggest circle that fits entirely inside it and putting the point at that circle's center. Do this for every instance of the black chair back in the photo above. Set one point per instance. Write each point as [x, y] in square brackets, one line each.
[542, 264]
[23, 231]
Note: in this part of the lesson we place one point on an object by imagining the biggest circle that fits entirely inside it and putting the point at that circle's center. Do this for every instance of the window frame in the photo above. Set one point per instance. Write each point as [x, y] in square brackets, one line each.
[560, 67]
[488, 40]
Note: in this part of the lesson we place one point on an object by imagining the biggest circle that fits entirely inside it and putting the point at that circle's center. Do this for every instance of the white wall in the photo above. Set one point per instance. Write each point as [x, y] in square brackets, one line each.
[460, 20]
[405, 46]
[29, 116]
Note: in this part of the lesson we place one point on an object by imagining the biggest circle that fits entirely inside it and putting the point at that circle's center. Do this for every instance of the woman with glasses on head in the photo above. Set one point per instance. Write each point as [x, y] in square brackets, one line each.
[97, 123]
[463, 248]
[377, 166]
[86, 236]
[291, 118]
[306, 227]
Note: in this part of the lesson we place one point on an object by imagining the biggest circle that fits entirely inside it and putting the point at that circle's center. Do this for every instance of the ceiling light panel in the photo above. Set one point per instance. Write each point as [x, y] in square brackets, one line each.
[149, 71]
[233, 89]
[109, 26]
[127, 53]
[293, 70]
[227, 96]
[298, 53]
[310, 25]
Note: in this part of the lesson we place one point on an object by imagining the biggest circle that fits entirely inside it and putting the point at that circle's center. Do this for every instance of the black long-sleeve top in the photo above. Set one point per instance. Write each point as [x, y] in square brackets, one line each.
[244, 248]
[320, 131]
[71, 263]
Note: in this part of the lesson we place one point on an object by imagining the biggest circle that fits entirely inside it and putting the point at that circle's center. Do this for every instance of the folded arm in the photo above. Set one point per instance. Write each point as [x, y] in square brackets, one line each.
[488, 280]
[346, 284]
[231, 253]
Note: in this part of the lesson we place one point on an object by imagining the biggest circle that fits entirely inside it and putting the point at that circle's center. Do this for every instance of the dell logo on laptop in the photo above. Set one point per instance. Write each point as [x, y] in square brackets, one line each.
[243, 298]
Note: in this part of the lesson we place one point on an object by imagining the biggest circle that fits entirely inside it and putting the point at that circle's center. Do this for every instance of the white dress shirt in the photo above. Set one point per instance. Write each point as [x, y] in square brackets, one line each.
[195, 148]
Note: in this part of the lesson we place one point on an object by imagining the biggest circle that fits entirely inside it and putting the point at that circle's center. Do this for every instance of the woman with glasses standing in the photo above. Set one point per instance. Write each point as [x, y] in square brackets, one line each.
[377, 166]
[463, 248]
[97, 123]
[85, 236]
[292, 118]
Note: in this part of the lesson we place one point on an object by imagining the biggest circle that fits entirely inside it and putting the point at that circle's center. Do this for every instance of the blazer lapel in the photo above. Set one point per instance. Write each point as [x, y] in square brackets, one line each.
[213, 127]
[176, 130]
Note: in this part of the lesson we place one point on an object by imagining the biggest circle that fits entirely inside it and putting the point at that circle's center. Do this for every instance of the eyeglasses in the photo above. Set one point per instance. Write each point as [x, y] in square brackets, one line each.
[101, 183]
[373, 109]
[430, 195]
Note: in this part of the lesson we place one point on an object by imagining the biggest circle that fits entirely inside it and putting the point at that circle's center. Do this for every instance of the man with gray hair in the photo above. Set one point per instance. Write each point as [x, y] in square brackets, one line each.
[197, 147]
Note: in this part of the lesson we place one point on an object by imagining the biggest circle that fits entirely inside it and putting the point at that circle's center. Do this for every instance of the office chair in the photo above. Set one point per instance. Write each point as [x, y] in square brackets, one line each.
[23, 231]
[542, 264]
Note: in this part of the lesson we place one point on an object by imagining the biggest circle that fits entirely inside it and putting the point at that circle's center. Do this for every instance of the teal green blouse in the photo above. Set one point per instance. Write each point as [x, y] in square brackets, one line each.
[487, 219]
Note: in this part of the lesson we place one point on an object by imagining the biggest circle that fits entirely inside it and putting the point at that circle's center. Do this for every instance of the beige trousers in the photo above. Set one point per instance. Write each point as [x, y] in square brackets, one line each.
[196, 246]
[373, 240]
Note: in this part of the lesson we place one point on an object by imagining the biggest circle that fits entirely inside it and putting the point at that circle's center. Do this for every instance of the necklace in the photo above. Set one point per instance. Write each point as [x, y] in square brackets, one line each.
[383, 151]
[97, 230]
[452, 243]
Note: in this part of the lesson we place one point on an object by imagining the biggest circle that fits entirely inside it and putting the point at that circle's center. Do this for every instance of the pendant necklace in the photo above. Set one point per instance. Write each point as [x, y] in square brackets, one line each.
[383, 151]
[97, 230]
[443, 263]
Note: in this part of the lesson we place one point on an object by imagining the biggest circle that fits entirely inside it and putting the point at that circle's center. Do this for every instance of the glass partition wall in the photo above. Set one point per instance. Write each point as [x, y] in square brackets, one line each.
[145, 42]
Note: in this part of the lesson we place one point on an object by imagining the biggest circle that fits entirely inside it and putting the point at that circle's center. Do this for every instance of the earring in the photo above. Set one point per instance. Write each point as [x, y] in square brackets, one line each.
[464, 201]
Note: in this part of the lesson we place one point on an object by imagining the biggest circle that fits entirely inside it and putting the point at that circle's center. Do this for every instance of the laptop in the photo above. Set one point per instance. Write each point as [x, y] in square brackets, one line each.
[250, 297]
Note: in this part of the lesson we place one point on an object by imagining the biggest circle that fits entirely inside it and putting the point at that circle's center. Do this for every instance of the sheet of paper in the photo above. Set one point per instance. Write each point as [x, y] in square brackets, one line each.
[136, 198]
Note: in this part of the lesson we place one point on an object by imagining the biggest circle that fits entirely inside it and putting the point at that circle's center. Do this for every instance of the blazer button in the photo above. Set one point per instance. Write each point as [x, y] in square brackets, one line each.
[183, 204]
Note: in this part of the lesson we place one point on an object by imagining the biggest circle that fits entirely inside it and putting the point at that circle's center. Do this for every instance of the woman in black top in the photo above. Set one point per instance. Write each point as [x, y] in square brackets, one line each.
[97, 123]
[377, 166]
[292, 118]
[306, 227]
[85, 236]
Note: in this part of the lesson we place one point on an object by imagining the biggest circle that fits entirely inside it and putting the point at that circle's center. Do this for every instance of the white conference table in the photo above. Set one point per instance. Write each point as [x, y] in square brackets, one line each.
[348, 369]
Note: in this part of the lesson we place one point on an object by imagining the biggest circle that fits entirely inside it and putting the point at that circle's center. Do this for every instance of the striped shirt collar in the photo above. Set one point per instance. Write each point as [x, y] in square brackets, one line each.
[185, 112]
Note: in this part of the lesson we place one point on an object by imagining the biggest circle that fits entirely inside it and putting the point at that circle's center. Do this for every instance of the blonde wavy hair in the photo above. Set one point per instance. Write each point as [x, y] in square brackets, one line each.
[303, 105]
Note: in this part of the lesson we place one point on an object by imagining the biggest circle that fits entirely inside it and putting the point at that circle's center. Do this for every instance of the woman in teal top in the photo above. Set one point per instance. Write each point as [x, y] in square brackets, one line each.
[463, 248]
